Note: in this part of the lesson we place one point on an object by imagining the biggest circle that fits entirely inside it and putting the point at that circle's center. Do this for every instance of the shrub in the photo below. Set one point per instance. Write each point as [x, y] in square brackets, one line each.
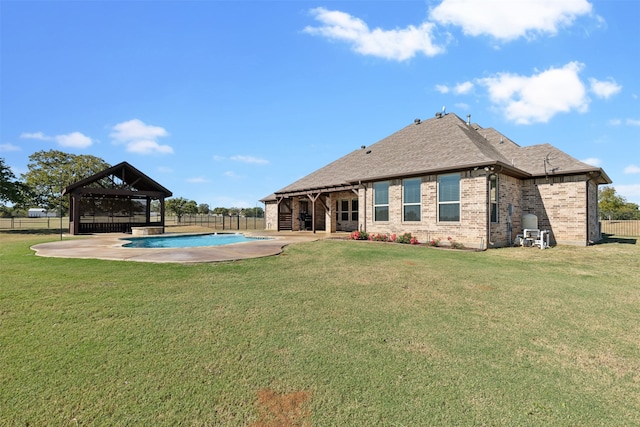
[407, 239]
[359, 235]
[380, 238]
[435, 241]
[454, 244]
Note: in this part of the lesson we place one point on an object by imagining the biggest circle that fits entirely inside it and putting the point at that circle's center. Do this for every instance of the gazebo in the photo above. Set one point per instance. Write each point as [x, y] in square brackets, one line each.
[115, 200]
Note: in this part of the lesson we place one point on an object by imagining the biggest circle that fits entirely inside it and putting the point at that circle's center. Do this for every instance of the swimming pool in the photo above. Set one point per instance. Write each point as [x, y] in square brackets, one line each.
[189, 241]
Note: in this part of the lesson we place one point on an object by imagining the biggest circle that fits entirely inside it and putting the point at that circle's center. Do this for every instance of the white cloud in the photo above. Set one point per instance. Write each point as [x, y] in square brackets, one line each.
[9, 147]
[463, 88]
[593, 161]
[442, 88]
[136, 129]
[35, 135]
[218, 158]
[633, 122]
[140, 138]
[632, 169]
[73, 139]
[250, 159]
[148, 147]
[604, 89]
[537, 98]
[231, 174]
[398, 44]
[509, 20]
[615, 122]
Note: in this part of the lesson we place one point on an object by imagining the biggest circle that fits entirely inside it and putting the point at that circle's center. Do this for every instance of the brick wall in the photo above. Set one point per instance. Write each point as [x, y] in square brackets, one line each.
[470, 230]
[560, 203]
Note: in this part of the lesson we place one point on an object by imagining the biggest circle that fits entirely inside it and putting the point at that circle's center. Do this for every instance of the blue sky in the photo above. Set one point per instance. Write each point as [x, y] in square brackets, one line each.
[225, 102]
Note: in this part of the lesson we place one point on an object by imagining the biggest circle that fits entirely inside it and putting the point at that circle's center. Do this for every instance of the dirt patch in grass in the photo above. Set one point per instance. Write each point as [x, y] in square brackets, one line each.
[282, 410]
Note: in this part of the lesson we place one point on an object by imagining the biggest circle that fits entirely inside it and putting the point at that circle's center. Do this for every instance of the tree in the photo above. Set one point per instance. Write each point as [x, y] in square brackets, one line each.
[155, 206]
[51, 171]
[220, 211]
[181, 206]
[11, 190]
[203, 209]
[254, 212]
[613, 206]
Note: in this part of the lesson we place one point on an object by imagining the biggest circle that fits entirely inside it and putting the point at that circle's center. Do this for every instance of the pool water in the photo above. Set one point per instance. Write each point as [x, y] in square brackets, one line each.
[190, 241]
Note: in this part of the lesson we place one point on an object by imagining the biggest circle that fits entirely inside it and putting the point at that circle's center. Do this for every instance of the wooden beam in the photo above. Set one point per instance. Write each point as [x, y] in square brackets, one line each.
[118, 192]
[331, 189]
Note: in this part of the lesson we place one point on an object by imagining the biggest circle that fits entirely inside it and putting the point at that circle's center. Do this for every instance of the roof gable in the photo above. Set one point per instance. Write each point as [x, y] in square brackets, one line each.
[122, 176]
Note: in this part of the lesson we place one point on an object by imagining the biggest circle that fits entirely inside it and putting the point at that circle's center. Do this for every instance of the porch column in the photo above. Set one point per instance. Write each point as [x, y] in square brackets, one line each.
[74, 213]
[330, 215]
[295, 214]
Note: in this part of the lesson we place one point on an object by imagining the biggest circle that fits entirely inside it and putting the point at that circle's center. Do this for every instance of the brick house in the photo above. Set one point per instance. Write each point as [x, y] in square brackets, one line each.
[446, 177]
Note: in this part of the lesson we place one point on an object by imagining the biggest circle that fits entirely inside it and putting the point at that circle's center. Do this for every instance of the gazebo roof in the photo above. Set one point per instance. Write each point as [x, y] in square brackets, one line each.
[121, 178]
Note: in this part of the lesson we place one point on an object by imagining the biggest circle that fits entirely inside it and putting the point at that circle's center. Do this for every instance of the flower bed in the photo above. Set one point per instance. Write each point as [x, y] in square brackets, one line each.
[406, 238]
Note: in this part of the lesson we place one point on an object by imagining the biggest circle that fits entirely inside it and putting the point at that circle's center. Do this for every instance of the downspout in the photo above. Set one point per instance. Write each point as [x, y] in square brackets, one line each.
[488, 195]
[589, 241]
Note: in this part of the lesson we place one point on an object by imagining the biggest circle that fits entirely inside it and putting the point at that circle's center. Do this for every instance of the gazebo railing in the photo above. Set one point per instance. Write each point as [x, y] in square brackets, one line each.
[112, 227]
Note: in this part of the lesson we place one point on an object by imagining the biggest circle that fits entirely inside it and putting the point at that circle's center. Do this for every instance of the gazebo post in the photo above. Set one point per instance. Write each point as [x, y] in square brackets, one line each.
[148, 210]
[162, 213]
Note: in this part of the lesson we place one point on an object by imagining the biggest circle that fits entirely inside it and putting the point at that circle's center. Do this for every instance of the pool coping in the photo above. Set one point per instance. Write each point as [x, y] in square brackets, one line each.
[109, 246]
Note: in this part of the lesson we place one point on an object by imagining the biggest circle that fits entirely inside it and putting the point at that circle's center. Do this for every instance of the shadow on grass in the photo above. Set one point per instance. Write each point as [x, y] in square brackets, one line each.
[610, 238]
[46, 231]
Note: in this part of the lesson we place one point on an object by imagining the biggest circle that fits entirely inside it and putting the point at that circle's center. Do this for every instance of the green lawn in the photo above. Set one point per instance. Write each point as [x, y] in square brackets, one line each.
[330, 333]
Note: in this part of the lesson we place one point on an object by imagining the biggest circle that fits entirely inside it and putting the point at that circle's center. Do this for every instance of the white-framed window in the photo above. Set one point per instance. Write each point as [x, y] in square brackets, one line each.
[411, 199]
[381, 201]
[493, 197]
[449, 197]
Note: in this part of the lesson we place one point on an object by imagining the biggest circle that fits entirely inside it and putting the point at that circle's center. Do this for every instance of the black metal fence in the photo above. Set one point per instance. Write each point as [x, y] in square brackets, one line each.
[621, 228]
[49, 223]
[618, 228]
[215, 222]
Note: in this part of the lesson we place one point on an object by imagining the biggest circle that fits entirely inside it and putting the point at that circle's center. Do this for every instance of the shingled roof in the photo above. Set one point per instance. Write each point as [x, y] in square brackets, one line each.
[438, 145]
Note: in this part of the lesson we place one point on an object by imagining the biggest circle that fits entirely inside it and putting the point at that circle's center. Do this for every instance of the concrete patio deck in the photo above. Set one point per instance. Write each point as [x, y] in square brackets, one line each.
[110, 247]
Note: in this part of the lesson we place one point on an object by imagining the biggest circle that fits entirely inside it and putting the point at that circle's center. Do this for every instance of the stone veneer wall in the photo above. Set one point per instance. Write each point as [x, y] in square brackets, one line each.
[271, 215]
